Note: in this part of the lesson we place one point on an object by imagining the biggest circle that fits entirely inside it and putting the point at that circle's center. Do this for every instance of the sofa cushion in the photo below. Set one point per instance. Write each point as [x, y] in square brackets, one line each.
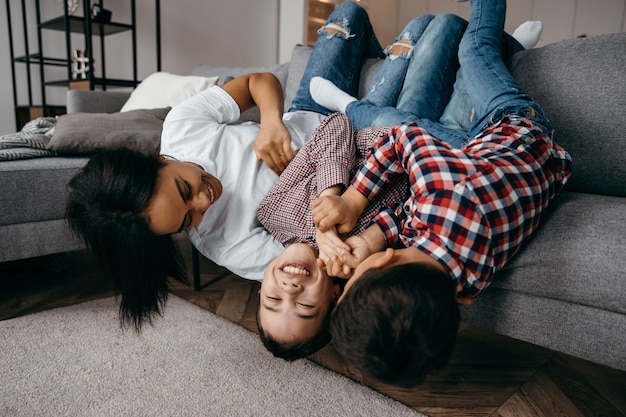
[36, 187]
[162, 89]
[95, 101]
[79, 133]
[581, 86]
[576, 255]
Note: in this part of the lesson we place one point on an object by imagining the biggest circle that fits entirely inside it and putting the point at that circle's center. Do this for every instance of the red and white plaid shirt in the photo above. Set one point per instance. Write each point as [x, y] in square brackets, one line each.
[470, 208]
[331, 156]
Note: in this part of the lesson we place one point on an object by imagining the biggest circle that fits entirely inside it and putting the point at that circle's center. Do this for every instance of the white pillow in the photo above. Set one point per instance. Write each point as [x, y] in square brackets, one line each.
[163, 89]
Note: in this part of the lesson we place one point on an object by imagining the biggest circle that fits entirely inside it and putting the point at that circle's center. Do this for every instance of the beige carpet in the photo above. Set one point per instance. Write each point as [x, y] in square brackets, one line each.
[75, 361]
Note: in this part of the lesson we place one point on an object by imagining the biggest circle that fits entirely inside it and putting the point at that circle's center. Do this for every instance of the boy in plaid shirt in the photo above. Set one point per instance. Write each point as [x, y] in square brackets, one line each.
[470, 211]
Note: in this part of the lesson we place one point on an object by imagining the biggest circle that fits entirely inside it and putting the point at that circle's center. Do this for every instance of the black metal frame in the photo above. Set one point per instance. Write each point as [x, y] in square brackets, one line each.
[195, 261]
[73, 24]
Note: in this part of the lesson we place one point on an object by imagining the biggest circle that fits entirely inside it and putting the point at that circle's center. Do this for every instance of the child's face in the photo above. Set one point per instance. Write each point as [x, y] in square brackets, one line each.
[295, 295]
[184, 191]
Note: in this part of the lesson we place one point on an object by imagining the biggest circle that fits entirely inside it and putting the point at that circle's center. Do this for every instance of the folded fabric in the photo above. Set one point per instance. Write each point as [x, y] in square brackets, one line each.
[80, 133]
[30, 142]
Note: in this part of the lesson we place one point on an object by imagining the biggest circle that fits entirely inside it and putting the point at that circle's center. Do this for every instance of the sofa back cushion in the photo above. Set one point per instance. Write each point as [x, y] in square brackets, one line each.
[581, 86]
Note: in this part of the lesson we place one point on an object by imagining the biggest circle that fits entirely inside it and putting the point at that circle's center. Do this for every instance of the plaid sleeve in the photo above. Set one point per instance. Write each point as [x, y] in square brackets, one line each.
[390, 224]
[382, 162]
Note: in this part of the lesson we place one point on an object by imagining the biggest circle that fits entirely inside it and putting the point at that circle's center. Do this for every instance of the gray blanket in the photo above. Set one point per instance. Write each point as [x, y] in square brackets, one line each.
[30, 142]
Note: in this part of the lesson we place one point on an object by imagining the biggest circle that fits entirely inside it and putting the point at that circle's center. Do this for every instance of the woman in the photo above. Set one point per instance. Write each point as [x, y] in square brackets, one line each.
[208, 180]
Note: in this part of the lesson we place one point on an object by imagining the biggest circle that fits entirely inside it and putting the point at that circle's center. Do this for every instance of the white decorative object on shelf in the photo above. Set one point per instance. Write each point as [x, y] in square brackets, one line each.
[72, 6]
[80, 65]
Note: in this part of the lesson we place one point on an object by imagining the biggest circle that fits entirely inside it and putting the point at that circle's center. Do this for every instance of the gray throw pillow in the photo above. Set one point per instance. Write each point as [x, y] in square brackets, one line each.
[81, 133]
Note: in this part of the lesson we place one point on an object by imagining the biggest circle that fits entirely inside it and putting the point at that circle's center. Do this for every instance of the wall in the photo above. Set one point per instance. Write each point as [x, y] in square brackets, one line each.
[233, 32]
[263, 32]
[563, 19]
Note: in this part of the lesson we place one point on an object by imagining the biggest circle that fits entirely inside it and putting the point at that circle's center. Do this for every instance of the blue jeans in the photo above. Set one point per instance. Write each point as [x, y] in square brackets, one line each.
[338, 57]
[390, 78]
[460, 113]
[491, 87]
[427, 87]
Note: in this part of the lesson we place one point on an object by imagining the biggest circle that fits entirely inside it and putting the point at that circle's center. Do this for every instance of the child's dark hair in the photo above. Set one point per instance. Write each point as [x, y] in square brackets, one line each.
[397, 324]
[106, 206]
[301, 349]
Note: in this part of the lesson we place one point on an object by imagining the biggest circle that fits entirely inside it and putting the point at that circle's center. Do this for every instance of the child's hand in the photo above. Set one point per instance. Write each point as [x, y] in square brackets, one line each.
[343, 266]
[361, 250]
[333, 211]
[330, 245]
[336, 268]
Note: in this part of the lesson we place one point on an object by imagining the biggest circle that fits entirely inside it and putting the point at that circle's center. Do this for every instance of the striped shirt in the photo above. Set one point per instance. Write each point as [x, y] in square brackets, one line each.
[470, 208]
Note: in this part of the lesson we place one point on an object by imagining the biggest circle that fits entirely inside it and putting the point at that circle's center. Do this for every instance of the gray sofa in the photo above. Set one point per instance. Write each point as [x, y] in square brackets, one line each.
[565, 291]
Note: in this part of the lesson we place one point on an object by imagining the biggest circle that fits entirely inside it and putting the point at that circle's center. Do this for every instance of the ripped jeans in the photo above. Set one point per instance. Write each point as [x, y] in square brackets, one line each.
[433, 94]
[426, 87]
[343, 44]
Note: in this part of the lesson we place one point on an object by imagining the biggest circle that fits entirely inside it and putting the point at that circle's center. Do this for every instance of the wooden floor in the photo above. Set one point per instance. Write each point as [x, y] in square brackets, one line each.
[489, 375]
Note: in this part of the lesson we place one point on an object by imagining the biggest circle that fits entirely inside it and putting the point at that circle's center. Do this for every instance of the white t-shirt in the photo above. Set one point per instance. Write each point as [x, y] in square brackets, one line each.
[197, 130]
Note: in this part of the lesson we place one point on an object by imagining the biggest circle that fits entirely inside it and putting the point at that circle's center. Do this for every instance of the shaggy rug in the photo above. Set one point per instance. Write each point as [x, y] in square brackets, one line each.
[76, 361]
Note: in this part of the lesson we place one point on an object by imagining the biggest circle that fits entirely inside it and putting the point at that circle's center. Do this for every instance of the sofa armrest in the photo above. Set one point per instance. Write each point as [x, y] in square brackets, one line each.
[92, 101]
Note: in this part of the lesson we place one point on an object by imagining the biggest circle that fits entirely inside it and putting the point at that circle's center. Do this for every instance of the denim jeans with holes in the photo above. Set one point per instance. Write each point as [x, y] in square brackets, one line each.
[343, 43]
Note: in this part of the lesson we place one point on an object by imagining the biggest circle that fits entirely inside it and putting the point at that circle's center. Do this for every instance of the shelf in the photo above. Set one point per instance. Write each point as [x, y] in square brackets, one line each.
[317, 20]
[109, 82]
[38, 59]
[77, 25]
[317, 13]
[24, 114]
[79, 33]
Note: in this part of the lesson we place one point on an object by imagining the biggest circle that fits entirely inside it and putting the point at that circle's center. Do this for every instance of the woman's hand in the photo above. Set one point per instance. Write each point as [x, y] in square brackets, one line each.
[273, 145]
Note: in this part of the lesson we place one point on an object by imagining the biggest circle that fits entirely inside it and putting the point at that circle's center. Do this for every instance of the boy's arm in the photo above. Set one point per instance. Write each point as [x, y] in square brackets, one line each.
[263, 89]
[376, 171]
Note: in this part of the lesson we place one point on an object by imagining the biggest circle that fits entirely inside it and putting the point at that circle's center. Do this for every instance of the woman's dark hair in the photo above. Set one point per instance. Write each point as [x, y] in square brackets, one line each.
[397, 324]
[106, 207]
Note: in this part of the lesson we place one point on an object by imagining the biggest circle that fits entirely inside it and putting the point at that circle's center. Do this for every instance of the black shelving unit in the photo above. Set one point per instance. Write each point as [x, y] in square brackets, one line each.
[69, 24]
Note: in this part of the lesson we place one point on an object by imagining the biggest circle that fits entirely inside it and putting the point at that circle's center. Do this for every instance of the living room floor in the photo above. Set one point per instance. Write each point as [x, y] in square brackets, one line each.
[488, 374]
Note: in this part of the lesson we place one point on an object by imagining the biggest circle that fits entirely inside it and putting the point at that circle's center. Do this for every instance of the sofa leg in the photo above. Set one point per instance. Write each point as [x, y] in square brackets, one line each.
[195, 260]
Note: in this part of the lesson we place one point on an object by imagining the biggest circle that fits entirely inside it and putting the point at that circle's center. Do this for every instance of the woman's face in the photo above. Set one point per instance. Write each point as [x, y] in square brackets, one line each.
[295, 295]
[184, 191]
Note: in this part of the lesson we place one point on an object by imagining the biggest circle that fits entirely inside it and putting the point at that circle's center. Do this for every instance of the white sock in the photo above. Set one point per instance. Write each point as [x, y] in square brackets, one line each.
[528, 33]
[327, 94]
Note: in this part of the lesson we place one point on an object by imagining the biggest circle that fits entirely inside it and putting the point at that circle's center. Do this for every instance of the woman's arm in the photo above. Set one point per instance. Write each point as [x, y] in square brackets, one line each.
[263, 89]
[260, 89]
